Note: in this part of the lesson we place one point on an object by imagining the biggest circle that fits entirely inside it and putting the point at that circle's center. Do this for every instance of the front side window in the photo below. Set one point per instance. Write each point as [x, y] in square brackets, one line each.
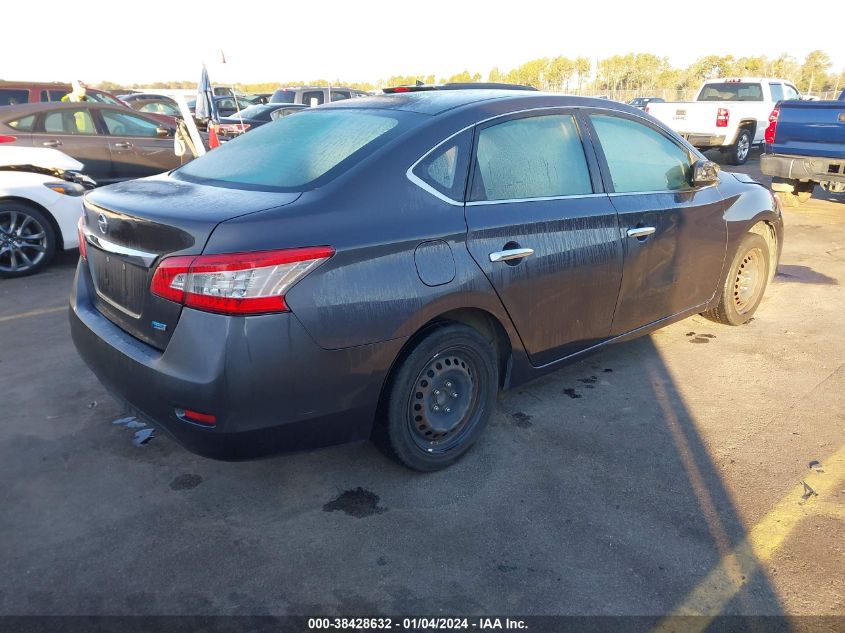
[777, 92]
[339, 95]
[789, 92]
[299, 152]
[445, 168]
[122, 124]
[531, 157]
[640, 158]
[160, 107]
[69, 122]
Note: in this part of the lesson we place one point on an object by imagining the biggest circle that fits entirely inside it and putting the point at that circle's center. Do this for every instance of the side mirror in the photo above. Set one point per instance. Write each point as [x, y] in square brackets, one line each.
[704, 172]
[164, 132]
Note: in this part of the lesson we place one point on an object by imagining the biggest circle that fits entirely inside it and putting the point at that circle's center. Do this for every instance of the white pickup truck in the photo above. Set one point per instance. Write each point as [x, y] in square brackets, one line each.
[728, 114]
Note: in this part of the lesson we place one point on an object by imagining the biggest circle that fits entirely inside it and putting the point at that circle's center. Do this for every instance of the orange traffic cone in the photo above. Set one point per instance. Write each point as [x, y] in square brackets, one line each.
[213, 141]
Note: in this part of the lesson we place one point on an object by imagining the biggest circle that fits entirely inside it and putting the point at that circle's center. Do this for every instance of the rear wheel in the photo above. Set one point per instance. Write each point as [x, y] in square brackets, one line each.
[27, 239]
[745, 284]
[440, 398]
[738, 152]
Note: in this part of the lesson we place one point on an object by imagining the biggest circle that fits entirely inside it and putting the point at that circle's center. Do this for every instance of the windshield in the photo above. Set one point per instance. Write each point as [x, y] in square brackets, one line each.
[731, 91]
[299, 152]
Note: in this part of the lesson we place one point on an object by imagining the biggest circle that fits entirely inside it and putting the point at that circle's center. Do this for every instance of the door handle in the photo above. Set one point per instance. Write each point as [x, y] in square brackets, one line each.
[511, 254]
[123, 145]
[51, 143]
[641, 232]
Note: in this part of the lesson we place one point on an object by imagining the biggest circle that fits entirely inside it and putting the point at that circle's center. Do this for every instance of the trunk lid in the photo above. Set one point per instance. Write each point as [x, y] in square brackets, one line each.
[132, 225]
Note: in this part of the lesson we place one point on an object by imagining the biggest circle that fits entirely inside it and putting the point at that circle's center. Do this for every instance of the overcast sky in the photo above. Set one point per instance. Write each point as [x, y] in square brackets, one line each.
[366, 40]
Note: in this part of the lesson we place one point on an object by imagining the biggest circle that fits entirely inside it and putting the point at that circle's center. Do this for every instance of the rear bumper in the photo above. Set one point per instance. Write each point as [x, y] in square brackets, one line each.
[804, 168]
[271, 388]
[703, 140]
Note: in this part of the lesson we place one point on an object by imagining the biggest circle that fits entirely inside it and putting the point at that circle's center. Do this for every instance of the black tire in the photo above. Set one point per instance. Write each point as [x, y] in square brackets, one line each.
[27, 239]
[738, 153]
[745, 284]
[440, 398]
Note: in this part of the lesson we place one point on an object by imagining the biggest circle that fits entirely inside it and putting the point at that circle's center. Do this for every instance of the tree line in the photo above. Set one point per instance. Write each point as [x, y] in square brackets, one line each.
[642, 73]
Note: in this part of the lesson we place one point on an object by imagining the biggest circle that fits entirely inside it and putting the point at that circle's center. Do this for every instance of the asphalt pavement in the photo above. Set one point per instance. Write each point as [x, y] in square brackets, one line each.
[659, 476]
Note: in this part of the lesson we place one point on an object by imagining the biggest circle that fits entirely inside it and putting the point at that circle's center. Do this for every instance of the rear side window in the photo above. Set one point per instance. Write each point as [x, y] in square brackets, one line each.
[12, 96]
[444, 169]
[69, 122]
[532, 157]
[313, 94]
[24, 124]
[297, 152]
[640, 158]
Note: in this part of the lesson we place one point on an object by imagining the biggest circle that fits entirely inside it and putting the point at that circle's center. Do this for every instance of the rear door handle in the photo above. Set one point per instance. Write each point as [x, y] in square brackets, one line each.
[51, 143]
[510, 254]
[641, 232]
[123, 145]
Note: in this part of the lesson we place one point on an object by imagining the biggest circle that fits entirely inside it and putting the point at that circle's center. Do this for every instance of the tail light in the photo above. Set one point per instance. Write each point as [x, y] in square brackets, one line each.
[7, 139]
[772, 129]
[238, 128]
[722, 117]
[83, 245]
[236, 283]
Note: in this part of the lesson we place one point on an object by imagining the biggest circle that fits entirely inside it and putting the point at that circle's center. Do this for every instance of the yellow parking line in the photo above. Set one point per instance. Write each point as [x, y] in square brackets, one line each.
[32, 313]
[724, 581]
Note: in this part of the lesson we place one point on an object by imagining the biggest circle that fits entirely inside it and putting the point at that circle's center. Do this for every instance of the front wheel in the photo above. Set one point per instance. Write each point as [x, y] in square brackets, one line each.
[27, 239]
[738, 152]
[440, 398]
[745, 284]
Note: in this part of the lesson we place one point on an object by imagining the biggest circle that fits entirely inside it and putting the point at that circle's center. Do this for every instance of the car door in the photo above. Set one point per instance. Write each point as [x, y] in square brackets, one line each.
[675, 235]
[136, 148]
[544, 232]
[74, 131]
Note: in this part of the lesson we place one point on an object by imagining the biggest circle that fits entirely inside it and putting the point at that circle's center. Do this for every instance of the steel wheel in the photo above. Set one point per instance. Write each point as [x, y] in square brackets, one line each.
[750, 279]
[24, 241]
[444, 399]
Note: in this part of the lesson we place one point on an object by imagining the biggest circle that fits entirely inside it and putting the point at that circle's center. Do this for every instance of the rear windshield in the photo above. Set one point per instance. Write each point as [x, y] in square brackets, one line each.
[283, 96]
[299, 152]
[731, 91]
[261, 112]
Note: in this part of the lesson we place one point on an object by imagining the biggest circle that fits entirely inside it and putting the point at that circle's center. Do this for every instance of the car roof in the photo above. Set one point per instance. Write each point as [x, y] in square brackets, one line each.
[433, 102]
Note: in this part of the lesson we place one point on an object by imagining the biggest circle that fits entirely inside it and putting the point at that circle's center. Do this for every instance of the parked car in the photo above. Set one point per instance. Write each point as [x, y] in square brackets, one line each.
[315, 95]
[20, 92]
[254, 116]
[40, 203]
[642, 102]
[114, 142]
[383, 266]
[150, 103]
[261, 97]
[226, 106]
[729, 114]
[805, 147]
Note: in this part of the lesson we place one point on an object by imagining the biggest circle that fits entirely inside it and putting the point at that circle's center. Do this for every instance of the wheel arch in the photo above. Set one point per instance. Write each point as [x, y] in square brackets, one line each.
[768, 232]
[60, 245]
[481, 320]
[749, 124]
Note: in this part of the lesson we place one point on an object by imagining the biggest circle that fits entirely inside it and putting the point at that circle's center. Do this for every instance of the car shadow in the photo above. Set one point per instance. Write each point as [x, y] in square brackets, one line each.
[791, 273]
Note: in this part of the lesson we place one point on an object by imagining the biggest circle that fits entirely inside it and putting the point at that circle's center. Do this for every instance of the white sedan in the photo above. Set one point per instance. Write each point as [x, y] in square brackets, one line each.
[40, 205]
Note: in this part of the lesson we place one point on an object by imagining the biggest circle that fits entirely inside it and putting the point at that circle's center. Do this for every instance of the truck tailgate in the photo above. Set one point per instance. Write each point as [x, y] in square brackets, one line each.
[811, 128]
[686, 117]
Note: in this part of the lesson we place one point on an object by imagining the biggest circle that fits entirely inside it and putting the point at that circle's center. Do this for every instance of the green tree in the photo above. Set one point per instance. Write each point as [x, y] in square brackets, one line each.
[813, 72]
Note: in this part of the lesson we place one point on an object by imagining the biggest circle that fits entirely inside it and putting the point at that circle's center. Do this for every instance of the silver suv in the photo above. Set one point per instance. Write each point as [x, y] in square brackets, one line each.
[314, 95]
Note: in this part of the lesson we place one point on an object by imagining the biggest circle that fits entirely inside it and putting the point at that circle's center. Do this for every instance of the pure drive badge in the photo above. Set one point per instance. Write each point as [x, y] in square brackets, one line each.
[158, 325]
